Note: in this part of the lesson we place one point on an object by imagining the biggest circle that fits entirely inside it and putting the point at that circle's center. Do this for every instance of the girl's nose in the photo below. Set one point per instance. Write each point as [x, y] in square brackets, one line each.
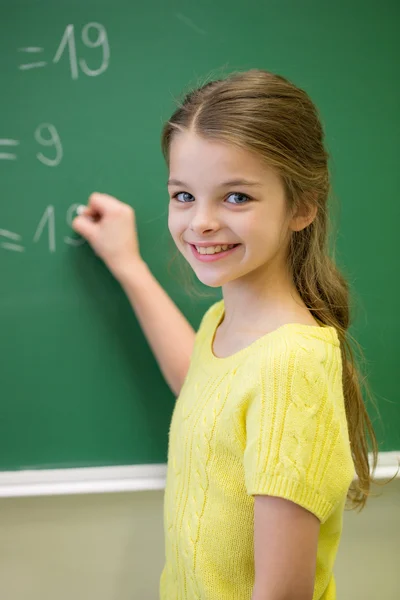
[204, 220]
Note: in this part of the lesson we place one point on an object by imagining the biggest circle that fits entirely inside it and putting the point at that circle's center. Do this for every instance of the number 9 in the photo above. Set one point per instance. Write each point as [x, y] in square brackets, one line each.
[53, 141]
[101, 40]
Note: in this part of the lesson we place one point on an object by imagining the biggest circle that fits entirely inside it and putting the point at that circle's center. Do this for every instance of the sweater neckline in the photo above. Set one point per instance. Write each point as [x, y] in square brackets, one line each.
[324, 332]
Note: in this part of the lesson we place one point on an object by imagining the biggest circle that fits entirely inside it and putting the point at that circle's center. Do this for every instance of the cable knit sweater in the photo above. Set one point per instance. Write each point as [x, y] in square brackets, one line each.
[269, 419]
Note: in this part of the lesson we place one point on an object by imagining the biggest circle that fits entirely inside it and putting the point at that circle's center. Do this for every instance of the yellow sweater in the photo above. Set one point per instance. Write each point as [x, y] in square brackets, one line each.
[268, 419]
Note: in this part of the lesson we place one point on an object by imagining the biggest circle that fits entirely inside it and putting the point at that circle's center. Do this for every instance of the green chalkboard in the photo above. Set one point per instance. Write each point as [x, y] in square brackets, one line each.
[85, 89]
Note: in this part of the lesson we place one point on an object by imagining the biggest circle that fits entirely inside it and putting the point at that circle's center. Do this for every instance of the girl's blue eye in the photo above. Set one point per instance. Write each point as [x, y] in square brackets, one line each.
[232, 194]
[239, 194]
[178, 194]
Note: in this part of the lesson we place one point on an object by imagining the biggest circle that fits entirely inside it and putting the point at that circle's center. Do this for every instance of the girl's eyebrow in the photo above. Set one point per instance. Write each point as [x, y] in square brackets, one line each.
[233, 182]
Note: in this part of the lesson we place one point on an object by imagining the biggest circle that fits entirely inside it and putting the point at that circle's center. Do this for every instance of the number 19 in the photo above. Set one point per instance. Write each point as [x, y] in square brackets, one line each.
[68, 39]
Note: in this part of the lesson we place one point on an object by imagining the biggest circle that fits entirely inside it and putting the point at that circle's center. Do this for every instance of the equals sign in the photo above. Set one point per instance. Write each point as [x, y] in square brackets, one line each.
[15, 237]
[8, 155]
[33, 65]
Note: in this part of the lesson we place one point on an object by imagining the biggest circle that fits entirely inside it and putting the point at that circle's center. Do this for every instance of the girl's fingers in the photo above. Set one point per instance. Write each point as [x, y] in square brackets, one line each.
[84, 226]
[82, 210]
[101, 203]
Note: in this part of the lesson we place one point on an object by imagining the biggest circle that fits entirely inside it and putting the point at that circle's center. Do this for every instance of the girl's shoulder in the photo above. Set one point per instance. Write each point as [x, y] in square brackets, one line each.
[212, 315]
[294, 343]
[299, 334]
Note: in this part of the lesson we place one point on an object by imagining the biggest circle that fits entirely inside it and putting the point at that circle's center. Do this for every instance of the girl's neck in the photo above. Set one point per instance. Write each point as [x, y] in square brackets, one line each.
[254, 308]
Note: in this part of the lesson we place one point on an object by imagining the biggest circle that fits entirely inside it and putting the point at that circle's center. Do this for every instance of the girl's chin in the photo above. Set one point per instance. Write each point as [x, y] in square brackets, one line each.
[207, 278]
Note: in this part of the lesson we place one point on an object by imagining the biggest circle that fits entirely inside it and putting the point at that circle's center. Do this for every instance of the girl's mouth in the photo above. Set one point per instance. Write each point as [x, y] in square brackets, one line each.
[212, 257]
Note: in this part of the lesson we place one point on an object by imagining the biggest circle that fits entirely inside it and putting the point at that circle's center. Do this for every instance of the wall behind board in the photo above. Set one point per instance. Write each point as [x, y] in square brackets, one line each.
[85, 89]
[111, 547]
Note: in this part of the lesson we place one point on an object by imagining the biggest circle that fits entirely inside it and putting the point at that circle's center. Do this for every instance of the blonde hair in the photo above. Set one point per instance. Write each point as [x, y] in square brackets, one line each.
[266, 114]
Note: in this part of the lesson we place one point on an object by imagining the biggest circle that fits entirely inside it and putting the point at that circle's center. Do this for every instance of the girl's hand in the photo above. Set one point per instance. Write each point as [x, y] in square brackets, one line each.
[110, 228]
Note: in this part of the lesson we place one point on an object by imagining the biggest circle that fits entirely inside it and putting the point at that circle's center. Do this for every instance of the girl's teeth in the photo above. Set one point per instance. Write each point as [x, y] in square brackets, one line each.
[213, 249]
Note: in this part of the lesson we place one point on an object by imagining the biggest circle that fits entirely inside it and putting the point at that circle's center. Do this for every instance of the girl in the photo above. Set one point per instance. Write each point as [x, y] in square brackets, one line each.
[269, 427]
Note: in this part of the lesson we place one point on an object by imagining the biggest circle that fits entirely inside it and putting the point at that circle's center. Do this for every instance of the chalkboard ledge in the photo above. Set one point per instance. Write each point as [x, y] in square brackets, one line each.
[88, 480]
[91, 480]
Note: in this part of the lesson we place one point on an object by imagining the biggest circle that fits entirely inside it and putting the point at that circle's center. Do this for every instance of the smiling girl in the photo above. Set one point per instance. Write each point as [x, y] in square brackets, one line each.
[269, 427]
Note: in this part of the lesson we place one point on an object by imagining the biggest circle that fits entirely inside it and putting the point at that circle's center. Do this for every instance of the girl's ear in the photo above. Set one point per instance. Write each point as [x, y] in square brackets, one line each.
[304, 215]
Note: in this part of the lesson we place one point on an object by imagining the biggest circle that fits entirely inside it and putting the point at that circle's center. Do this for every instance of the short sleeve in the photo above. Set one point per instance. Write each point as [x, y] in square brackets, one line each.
[297, 445]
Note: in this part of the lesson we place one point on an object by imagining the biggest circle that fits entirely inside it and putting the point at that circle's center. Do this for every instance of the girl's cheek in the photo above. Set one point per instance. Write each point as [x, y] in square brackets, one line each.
[171, 224]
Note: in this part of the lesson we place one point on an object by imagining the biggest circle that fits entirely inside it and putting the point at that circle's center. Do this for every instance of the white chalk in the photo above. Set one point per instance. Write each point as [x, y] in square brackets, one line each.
[81, 209]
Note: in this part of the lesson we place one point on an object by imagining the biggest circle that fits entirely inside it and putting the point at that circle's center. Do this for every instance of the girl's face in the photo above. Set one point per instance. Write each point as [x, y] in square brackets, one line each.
[209, 205]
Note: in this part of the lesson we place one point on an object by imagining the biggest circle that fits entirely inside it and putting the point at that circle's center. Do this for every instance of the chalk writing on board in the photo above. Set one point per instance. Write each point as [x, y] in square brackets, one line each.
[33, 65]
[8, 155]
[46, 230]
[47, 219]
[54, 140]
[46, 135]
[69, 40]
[77, 240]
[93, 35]
[9, 235]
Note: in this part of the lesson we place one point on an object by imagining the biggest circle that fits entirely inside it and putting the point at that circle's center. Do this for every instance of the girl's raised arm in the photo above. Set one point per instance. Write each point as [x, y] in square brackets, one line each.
[109, 227]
